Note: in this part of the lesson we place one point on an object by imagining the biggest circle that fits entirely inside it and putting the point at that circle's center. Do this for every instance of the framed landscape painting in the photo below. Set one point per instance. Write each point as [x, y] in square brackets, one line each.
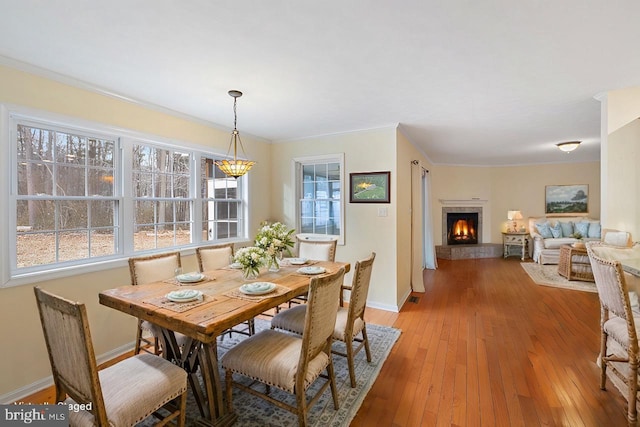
[566, 199]
[369, 187]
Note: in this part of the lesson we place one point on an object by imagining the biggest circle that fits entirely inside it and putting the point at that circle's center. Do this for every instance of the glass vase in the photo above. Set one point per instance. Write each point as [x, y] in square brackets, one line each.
[274, 263]
[250, 274]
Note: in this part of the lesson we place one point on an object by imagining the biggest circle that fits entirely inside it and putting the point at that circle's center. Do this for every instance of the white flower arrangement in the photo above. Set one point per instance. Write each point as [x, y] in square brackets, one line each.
[274, 238]
[251, 258]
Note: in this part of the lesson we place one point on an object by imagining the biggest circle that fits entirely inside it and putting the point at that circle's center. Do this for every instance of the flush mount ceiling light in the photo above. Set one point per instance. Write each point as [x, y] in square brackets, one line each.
[236, 167]
[569, 146]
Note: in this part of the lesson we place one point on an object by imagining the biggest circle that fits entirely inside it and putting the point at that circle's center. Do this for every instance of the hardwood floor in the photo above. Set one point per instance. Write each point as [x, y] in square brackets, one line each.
[485, 346]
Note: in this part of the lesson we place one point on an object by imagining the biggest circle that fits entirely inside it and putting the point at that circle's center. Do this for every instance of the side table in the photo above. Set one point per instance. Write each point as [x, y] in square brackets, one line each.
[516, 243]
[574, 263]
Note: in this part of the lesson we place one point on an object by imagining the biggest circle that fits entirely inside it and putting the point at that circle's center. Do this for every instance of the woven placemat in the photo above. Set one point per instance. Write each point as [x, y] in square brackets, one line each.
[178, 307]
[235, 293]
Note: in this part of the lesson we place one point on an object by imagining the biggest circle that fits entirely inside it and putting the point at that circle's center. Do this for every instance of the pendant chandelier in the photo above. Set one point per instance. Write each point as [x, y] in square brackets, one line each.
[236, 167]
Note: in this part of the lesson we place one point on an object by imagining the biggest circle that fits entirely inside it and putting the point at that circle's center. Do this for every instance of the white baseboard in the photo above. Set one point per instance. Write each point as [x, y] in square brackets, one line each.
[29, 389]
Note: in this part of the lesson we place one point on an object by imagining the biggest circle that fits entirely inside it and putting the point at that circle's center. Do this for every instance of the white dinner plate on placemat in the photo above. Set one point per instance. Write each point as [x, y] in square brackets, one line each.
[190, 277]
[184, 295]
[236, 265]
[297, 261]
[311, 270]
[257, 288]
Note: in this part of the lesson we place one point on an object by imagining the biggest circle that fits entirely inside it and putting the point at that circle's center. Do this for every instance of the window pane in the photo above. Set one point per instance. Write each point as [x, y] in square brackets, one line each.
[100, 182]
[35, 249]
[72, 214]
[333, 171]
[103, 242]
[73, 245]
[70, 181]
[320, 198]
[102, 213]
[101, 153]
[69, 148]
[144, 238]
[308, 173]
[38, 215]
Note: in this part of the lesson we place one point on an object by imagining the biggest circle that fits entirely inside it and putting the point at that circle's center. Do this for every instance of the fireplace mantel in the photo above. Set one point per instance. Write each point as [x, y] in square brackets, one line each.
[463, 202]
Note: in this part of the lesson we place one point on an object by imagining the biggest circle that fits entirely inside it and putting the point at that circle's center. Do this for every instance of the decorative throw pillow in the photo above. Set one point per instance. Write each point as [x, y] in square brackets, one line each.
[595, 229]
[556, 231]
[582, 228]
[544, 230]
[567, 228]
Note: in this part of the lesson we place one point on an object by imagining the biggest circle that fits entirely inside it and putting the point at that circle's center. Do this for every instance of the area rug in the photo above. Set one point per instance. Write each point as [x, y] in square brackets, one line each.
[255, 412]
[547, 275]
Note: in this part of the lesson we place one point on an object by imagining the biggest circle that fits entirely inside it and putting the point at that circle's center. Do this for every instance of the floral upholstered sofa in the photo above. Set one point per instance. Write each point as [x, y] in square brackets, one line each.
[549, 234]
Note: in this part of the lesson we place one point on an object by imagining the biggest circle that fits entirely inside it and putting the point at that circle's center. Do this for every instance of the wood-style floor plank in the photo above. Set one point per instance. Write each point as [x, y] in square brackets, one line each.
[499, 350]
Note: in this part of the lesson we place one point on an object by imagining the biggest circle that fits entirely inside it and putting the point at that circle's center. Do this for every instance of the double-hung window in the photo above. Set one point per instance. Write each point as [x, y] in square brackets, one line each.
[319, 185]
[87, 193]
[66, 205]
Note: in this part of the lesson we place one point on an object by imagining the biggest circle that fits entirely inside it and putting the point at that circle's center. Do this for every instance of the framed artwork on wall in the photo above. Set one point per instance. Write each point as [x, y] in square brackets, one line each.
[566, 199]
[370, 187]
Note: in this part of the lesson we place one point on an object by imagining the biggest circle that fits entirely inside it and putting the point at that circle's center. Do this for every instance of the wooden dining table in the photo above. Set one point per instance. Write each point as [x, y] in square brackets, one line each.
[190, 330]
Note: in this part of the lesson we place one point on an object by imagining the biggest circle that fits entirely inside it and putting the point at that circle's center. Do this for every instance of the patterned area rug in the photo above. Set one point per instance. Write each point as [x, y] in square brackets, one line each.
[255, 412]
[547, 275]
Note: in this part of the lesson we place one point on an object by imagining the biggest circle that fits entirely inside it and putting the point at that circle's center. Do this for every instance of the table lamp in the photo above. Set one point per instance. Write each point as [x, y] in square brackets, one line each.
[514, 216]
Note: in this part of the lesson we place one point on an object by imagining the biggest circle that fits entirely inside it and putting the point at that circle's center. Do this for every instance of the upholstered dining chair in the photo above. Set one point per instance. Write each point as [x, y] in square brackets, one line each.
[617, 322]
[218, 256]
[316, 248]
[287, 361]
[214, 256]
[148, 269]
[122, 394]
[350, 324]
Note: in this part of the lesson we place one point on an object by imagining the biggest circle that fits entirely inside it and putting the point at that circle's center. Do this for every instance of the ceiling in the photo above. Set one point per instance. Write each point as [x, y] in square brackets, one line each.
[470, 83]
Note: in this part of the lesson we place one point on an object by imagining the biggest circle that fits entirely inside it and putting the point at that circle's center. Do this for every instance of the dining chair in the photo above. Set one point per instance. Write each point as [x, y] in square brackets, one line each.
[319, 248]
[287, 361]
[148, 269]
[214, 257]
[616, 322]
[350, 324]
[122, 394]
[313, 247]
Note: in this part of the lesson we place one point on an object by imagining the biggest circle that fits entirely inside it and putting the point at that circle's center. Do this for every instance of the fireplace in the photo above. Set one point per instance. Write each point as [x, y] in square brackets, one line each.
[462, 228]
[461, 225]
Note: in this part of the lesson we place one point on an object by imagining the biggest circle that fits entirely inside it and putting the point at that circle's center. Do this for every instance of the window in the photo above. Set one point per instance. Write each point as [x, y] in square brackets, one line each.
[161, 197]
[319, 184]
[66, 208]
[222, 214]
[87, 193]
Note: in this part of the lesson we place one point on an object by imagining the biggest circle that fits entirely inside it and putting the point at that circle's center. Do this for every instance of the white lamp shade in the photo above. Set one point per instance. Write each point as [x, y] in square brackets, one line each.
[513, 215]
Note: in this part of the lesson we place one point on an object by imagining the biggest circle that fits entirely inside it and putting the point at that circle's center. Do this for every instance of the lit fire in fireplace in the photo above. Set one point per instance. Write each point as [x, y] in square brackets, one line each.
[462, 230]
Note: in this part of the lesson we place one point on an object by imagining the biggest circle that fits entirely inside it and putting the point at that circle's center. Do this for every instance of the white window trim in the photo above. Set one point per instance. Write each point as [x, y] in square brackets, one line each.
[9, 113]
[296, 163]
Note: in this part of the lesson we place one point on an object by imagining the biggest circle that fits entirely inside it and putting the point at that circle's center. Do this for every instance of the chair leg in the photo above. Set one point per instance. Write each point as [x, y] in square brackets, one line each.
[603, 363]
[301, 400]
[632, 415]
[350, 356]
[138, 337]
[365, 340]
[332, 384]
[183, 410]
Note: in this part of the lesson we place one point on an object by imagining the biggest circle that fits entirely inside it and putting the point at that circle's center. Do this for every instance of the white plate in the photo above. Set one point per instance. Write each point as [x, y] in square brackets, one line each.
[190, 277]
[257, 288]
[184, 295]
[236, 265]
[297, 261]
[311, 270]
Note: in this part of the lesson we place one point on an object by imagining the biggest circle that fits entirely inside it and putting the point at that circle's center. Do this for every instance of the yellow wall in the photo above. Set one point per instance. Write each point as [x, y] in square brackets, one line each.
[365, 231]
[622, 186]
[24, 359]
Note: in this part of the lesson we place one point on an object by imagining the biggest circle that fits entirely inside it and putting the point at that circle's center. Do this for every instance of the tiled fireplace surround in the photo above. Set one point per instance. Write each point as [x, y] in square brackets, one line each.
[479, 250]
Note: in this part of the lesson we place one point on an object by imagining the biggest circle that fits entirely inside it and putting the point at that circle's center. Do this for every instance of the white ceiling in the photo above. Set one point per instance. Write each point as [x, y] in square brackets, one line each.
[492, 82]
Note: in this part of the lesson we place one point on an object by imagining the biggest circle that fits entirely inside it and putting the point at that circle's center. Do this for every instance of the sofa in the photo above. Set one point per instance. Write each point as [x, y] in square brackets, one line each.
[549, 234]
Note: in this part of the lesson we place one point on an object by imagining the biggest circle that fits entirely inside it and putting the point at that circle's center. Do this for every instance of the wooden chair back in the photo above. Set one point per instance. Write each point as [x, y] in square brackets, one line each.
[71, 353]
[153, 268]
[320, 320]
[214, 257]
[360, 288]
